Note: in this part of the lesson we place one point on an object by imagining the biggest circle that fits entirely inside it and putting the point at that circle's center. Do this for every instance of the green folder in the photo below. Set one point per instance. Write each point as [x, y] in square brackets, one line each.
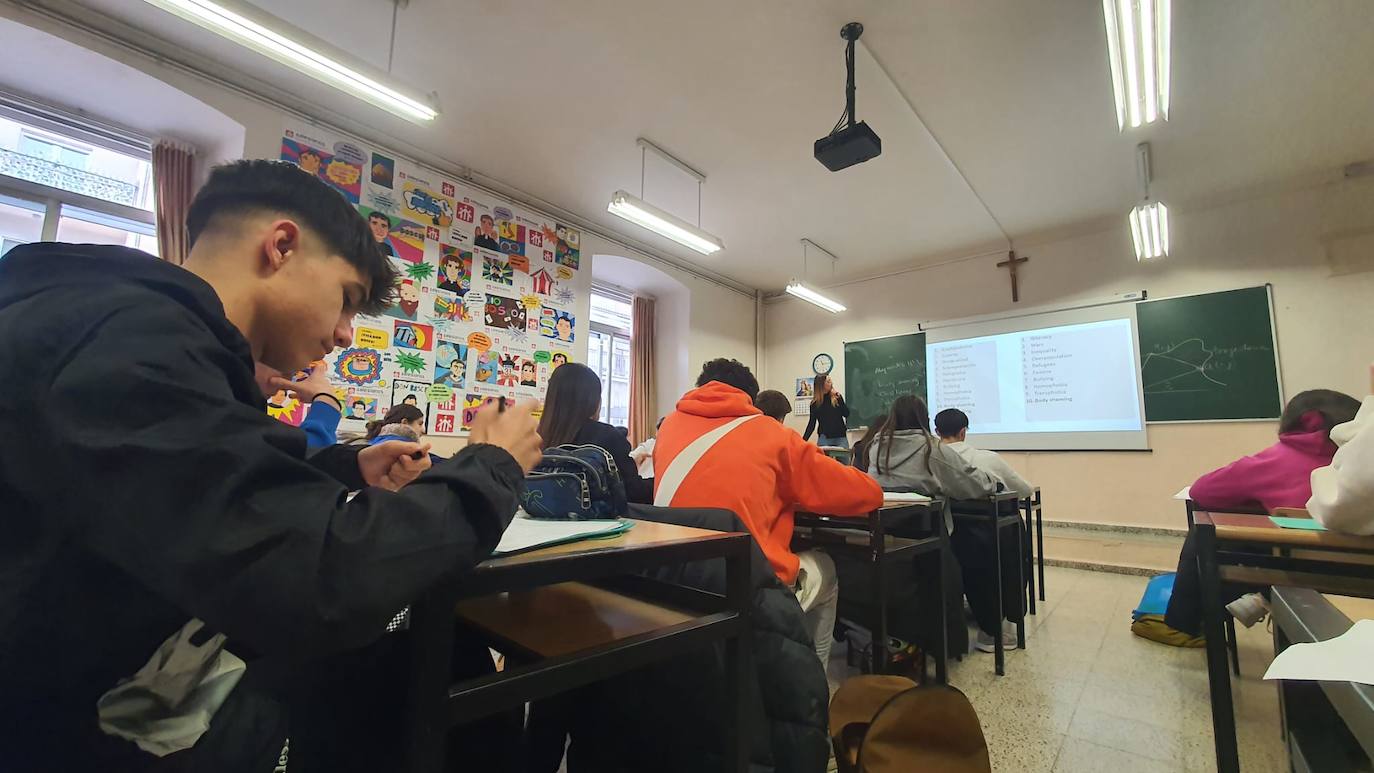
[1307, 524]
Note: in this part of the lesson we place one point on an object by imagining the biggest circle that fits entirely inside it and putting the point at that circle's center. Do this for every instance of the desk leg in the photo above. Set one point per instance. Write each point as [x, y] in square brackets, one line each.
[1021, 570]
[1040, 545]
[431, 674]
[1218, 674]
[735, 748]
[999, 651]
[882, 657]
[1028, 551]
[942, 638]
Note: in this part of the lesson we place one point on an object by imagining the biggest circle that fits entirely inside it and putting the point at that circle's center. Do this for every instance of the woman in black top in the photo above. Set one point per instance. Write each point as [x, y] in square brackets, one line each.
[829, 411]
[570, 415]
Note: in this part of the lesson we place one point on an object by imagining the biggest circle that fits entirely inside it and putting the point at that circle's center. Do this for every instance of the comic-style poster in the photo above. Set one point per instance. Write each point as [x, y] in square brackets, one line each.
[505, 313]
[470, 269]
[410, 393]
[396, 237]
[569, 249]
[286, 407]
[341, 167]
[455, 270]
[558, 325]
[451, 364]
[474, 403]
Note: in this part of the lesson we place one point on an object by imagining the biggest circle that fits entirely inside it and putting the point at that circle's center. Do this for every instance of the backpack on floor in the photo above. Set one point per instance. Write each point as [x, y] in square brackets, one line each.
[886, 724]
[575, 483]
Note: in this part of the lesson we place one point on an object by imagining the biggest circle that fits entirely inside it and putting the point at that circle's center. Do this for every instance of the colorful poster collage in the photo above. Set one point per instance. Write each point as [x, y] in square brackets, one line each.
[491, 298]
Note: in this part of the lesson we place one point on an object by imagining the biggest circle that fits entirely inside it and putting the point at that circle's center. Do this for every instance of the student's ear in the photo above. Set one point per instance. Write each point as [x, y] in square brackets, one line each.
[281, 243]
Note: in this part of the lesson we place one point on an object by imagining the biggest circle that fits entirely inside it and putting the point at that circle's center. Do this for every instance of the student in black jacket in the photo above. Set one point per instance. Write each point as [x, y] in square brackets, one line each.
[143, 483]
[828, 411]
[571, 408]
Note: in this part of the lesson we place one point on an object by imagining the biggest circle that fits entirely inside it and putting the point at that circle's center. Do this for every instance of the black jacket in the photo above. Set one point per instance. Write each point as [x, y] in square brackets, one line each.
[142, 484]
[829, 416]
[598, 433]
[668, 717]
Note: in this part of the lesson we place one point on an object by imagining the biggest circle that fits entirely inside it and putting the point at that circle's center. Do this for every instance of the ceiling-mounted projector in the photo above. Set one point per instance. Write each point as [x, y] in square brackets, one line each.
[849, 143]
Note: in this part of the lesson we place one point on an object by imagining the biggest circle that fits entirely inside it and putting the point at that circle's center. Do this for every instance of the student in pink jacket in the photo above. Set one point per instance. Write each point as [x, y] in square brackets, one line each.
[1278, 476]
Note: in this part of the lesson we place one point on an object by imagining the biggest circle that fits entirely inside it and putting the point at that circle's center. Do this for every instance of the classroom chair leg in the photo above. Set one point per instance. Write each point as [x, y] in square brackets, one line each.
[999, 651]
[1231, 645]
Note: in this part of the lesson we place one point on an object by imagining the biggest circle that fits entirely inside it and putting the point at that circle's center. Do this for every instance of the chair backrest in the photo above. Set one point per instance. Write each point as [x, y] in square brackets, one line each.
[886, 724]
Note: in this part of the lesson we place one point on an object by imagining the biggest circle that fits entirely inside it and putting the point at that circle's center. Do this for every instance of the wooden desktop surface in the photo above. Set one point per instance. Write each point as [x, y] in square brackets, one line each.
[1236, 527]
[644, 534]
[568, 617]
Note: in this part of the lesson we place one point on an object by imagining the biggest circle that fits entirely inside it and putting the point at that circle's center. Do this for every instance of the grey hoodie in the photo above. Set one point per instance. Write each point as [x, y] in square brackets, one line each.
[921, 463]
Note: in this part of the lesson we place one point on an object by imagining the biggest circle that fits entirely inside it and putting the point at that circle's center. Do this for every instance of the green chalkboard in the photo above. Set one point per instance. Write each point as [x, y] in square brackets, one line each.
[1209, 357]
[879, 370]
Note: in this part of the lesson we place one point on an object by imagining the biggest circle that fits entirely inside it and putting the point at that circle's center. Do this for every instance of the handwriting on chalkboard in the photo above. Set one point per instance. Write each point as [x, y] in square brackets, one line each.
[1191, 365]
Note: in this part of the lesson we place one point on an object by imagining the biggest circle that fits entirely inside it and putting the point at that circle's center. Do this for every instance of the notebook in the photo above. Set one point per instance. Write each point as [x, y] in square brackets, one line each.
[1297, 523]
[529, 533]
[903, 498]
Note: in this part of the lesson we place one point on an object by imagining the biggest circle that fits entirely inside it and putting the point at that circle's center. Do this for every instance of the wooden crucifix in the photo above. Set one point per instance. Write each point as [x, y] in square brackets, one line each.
[1011, 262]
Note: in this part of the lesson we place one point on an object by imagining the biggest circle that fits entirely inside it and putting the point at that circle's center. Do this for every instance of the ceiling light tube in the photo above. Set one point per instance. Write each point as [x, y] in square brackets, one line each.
[811, 296]
[276, 40]
[1150, 230]
[1138, 34]
[644, 214]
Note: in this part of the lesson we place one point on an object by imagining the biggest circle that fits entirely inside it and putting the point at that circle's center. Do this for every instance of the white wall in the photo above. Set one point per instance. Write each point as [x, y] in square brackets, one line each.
[1325, 327]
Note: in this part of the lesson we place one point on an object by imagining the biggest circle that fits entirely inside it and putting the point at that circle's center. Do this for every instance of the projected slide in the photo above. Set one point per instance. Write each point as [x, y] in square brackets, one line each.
[1072, 378]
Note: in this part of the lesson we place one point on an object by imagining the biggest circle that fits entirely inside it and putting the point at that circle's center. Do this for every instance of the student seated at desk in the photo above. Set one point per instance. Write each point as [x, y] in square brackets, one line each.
[571, 408]
[864, 445]
[951, 425]
[161, 491]
[1278, 476]
[643, 455]
[774, 405]
[906, 456]
[735, 458]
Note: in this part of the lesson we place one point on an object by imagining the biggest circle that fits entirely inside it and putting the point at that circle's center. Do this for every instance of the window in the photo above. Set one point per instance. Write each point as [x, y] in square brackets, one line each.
[64, 179]
[608, 353]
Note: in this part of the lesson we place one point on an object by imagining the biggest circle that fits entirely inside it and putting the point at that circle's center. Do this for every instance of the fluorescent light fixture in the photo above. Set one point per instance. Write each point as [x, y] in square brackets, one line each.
[1150, 230]
[274, 39]
[644, 214]
[811, 296]
[1138, 54]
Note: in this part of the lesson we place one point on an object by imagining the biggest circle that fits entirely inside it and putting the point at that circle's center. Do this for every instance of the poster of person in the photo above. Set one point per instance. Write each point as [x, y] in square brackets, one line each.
[488, 368]
[455, 270]
[801, 401]
[407, 304]
[569, 251]
[556, 324]
[410, 393]
[485, 235]
[451, 364]
[342, 168]
[396, 237]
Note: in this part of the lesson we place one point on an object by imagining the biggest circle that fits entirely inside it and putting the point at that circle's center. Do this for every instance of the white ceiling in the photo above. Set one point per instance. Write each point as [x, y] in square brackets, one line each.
[549, 98]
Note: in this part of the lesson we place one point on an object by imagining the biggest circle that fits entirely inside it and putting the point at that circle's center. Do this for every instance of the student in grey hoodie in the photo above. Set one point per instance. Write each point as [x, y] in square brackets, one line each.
[905, 455]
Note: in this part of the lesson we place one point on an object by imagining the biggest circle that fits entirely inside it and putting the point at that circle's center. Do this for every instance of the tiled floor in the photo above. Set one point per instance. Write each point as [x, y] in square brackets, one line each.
[1088, 696]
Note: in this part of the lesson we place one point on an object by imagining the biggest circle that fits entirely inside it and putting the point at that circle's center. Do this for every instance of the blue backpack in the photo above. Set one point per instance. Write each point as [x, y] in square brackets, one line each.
[575, 483]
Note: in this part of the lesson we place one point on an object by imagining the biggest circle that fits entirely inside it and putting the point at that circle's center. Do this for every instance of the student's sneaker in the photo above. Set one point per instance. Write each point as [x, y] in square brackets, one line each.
[985, 643]
[1248, 609]
[1153, 627]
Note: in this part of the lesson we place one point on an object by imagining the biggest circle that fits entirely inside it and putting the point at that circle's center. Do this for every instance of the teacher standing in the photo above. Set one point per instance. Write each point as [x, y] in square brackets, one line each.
[828, 411]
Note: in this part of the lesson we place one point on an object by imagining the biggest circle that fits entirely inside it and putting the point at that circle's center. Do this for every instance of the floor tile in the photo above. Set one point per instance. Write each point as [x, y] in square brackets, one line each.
[1080, 756]
[1127, 735]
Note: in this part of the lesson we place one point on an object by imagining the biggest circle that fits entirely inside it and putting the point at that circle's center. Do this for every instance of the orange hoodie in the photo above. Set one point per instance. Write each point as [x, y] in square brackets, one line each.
[761, 470]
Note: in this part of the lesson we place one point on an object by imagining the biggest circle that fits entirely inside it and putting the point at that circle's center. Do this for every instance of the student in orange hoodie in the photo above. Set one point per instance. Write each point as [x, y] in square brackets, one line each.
[734, 457]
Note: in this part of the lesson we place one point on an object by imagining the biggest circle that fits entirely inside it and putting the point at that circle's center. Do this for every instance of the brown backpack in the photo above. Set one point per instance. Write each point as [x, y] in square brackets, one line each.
[887, 724]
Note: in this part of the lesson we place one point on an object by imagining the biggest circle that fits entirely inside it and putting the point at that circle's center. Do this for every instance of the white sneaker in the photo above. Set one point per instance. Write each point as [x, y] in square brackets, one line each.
[1249, 609]
[984, 642]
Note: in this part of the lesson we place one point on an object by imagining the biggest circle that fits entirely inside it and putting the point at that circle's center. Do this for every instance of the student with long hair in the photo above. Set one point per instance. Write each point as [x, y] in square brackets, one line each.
[1278, 476]
[905, 455]
[864, 444]
[828, 412]
[401, 421]
[571, 408]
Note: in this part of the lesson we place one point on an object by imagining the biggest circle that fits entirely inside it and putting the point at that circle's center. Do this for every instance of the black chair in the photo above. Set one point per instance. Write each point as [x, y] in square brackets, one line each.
[993, 515]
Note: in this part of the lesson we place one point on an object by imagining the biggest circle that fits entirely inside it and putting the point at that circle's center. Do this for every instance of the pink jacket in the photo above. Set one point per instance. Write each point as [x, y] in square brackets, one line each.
[1278, 476]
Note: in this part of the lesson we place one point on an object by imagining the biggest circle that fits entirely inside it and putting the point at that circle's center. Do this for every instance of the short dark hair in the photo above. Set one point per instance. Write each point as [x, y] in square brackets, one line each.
[773, 403]
[731, 373]
[1334, 407]
[950, 422]
[384, 217]
[257, 185]
[357, 403]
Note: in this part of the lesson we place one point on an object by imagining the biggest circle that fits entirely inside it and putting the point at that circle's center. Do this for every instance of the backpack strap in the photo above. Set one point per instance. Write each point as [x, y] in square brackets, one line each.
[687, 459]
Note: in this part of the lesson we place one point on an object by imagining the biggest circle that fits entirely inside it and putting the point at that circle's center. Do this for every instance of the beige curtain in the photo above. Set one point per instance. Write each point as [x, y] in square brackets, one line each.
[172, 187]
[643, 385]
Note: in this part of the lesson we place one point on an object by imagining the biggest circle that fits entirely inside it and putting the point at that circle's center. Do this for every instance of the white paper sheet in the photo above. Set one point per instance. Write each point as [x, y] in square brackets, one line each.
[896, 497]
[1184, 493]
[1342, 659]
[525, 533]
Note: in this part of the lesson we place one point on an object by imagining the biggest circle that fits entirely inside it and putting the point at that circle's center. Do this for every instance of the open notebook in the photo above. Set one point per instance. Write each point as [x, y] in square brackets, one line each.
[529, 533]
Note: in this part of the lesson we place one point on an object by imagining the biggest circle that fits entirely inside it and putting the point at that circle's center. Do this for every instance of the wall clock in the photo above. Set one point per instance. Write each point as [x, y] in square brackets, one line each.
[823, 364]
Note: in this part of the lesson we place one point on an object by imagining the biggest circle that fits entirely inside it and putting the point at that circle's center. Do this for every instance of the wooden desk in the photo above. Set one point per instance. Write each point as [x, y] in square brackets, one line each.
[881, 549]
[657, 620]
[1250, 549]
[1328, 726]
